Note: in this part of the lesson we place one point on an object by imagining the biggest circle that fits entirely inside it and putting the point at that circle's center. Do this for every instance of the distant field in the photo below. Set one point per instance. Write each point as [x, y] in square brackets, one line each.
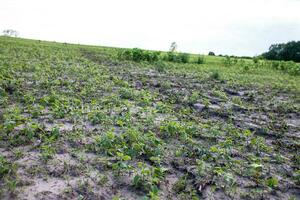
[84, 122]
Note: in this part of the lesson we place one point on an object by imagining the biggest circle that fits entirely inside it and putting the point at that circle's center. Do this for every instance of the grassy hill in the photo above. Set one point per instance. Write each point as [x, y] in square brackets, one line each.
[88, 122]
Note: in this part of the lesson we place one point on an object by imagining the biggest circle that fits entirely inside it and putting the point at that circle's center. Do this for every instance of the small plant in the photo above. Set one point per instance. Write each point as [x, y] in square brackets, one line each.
[11, 184]
[122, 164]
[148, 178]
[194, 98]
[127, 93]
[8, 175]
[36, 110]
[258, 143]
[220, 94]
[171, 129]
[237, 100]
[18, 154]
[272, 182]
[98, 118]
[160, 66]
[180, 185]
[102, 180]
[5, 166]
[214, 75]
[255, 170]
[297, 176]
[47, 152]
[29, 99]
[106, 143]
[162, 107]
[166, 85]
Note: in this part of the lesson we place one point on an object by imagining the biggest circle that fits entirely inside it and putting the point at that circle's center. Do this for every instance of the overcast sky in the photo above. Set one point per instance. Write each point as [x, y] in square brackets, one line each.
[239, 27]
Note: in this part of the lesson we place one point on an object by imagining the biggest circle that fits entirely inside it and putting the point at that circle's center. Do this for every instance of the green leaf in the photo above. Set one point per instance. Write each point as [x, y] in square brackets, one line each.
[272, 182]
[136, 180]
[126, 158]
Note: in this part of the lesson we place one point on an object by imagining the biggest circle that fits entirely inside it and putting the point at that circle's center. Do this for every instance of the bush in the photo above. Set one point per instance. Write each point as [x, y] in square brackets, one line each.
[160, 66]
[214, 75]
[211, 53]
[179, 57]
[229, 61]
[151, 56]
[289, 67]
[200, 60]
[184, 57]
[255, 60]
[139, 55]
[171, 57]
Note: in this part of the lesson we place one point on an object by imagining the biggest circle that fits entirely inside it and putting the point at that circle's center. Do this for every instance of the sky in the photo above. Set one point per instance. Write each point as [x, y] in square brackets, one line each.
[231, 27]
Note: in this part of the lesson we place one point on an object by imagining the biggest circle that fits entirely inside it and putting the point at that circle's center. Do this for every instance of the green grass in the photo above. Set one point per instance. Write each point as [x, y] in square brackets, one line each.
[88, 120]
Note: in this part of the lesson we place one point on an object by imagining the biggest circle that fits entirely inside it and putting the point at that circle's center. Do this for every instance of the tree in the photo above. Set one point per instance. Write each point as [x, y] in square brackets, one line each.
[288, 52]
[211, 53]
[173, 47]
[11, 33]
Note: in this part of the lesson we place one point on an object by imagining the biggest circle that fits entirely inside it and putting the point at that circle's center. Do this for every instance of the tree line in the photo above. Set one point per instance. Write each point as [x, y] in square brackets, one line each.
[285, 51]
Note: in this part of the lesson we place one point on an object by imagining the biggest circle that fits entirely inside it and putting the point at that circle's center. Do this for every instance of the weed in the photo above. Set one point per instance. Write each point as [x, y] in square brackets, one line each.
[220, 94]
[121, 165]
[47, 152]
[99, 117]
[272, 182]
[8, 175]
[194, 98]
[127, 93]
[148, 178]
[214, 75]
[160, 66]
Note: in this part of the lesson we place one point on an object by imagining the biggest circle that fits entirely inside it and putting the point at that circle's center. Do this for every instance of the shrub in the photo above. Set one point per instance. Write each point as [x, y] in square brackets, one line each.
[171, 57]
[152, 56]
[179, 57]
[160, 66]
[215, 75]
[200, 60]
[126, 55]
[289, 67]
[229, 61]
[211, 53]
[139, 55]
[184, 57]
[255, 60]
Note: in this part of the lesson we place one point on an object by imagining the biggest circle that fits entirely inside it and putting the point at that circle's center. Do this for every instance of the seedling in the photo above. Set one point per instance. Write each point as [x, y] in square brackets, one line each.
[272, 182]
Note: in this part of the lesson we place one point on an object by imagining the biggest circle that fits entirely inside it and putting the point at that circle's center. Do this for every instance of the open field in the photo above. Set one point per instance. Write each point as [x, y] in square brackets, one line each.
[77, 122]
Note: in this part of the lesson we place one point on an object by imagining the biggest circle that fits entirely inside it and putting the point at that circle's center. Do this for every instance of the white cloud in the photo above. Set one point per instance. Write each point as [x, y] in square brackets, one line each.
[240, 27]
